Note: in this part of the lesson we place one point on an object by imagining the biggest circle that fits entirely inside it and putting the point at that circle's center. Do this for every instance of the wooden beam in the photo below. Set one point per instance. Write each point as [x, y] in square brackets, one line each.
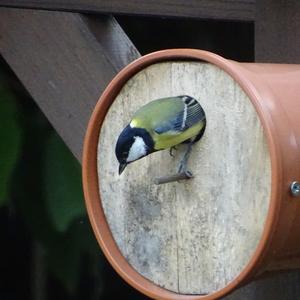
[277, 31]
[240, 10]
[65, 61]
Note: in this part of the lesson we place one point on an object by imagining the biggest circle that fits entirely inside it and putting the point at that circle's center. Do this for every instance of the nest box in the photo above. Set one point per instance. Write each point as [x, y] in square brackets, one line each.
[239, 216]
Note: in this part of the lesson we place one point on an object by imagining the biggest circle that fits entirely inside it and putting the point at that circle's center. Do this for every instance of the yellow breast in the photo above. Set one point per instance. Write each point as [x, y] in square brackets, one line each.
[167, 140]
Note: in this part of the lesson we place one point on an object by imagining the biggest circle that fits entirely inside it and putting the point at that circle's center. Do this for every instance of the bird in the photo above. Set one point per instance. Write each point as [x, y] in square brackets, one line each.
[158, 125]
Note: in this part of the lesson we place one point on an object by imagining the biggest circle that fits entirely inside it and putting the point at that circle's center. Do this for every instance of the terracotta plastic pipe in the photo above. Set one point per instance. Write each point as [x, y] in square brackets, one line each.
[274, 90]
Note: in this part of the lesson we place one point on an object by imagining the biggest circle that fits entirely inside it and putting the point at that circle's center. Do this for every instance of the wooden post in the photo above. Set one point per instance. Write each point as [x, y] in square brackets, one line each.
[238, 10]
[64, 60]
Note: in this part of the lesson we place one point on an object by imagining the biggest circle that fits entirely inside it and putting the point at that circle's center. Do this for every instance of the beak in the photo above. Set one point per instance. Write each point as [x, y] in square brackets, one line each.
[122, 168]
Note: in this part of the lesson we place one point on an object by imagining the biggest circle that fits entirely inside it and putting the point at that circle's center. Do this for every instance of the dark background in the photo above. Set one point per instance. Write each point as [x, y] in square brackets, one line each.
[47, 247]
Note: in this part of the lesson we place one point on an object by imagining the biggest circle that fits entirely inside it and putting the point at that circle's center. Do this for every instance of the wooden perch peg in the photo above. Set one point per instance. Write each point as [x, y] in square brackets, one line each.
[171, 178]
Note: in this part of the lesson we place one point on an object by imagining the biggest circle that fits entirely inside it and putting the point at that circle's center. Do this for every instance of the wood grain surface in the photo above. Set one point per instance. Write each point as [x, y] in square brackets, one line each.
[65, 61]
[195, 236]
[242, 10]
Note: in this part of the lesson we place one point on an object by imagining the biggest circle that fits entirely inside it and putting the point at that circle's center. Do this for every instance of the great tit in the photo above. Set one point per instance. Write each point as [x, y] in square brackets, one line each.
[158, 125]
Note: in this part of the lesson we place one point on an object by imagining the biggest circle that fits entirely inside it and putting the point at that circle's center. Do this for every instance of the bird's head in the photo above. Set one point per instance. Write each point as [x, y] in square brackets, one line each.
[133, 144]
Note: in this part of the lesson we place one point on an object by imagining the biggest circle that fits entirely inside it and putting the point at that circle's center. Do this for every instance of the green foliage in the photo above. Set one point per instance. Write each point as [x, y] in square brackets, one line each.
[64, 203]
[63, 189]
[43, 180]
[10, 139]
[65, 255]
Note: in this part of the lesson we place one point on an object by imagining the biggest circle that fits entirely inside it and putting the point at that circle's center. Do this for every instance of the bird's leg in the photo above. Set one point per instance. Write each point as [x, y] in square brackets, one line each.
[171, 150]
[185, 158]
[182, 173]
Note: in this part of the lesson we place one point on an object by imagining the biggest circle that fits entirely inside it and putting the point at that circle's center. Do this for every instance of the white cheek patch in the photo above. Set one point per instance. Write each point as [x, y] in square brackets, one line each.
[137, 150]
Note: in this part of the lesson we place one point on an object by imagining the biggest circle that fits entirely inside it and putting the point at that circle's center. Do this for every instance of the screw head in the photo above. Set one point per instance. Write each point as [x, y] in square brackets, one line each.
[295, 188]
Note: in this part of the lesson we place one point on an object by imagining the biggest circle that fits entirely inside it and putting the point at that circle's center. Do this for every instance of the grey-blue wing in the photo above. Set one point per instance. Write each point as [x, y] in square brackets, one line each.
[173, 125]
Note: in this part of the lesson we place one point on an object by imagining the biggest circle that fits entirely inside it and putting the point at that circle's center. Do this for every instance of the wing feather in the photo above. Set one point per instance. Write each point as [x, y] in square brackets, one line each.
[191, 114]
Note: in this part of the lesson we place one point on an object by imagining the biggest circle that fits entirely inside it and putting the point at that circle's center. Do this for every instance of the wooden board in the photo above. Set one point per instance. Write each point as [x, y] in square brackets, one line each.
[191, 237]
[65, 61]
[242, 10]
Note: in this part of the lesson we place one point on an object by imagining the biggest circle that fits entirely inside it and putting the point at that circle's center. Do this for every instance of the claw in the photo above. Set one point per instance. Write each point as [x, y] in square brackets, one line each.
[171, 151]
